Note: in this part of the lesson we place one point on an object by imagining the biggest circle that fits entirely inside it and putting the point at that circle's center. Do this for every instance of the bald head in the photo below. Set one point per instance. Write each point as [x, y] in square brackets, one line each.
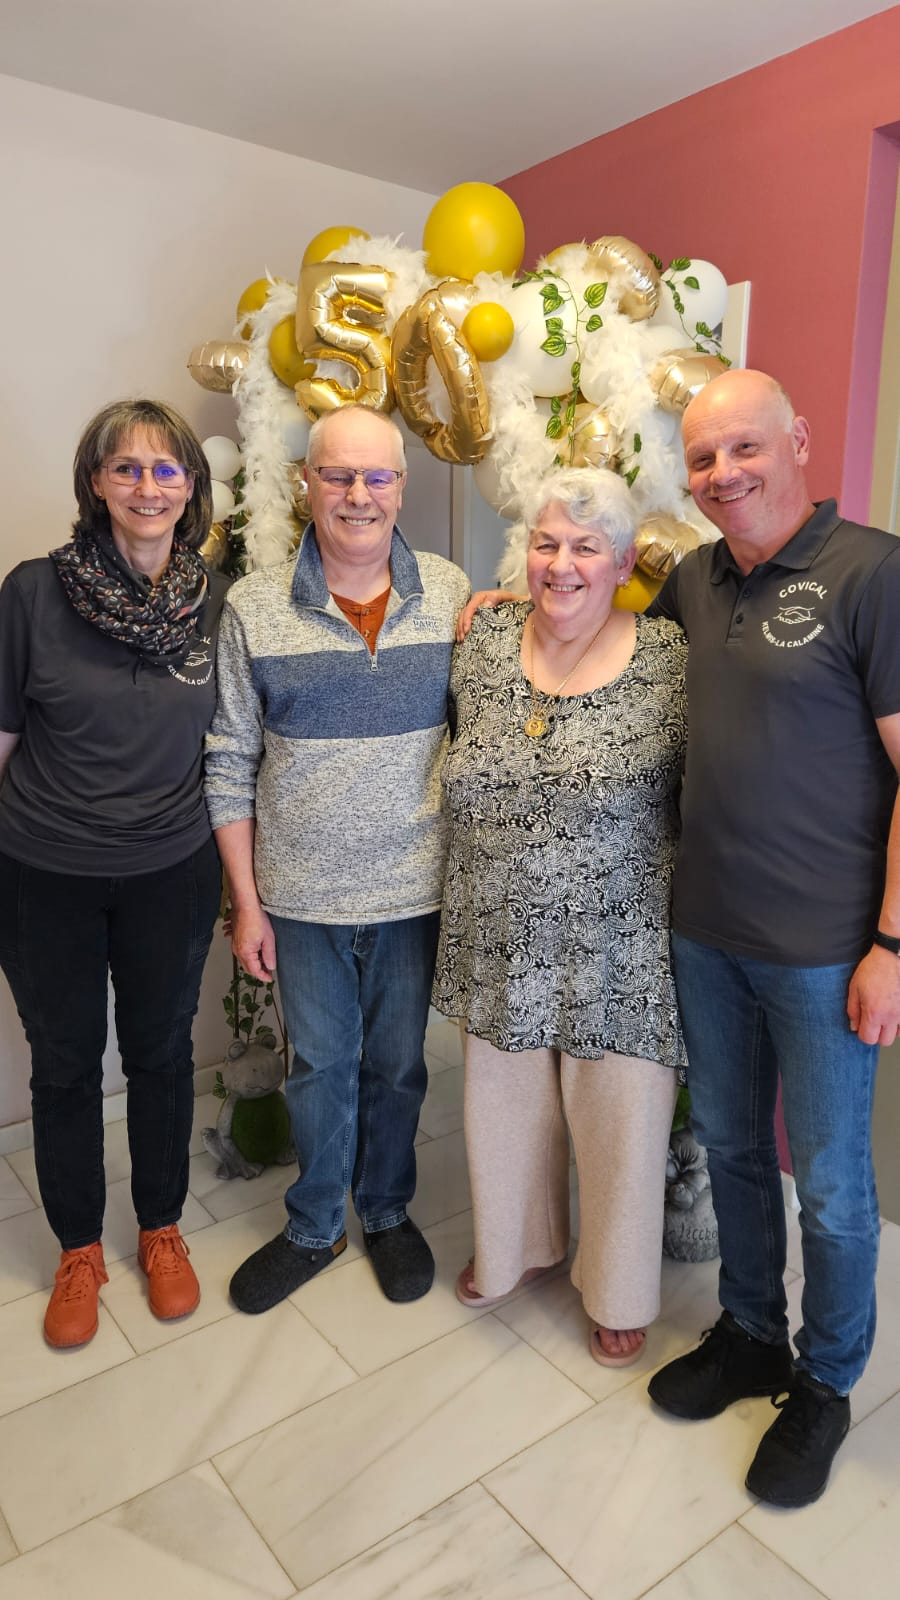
[351, 423]
[745, 452]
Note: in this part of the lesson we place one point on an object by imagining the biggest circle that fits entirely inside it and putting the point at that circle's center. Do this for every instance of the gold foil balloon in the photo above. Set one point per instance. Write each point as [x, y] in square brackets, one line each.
[474, 227]
[340, 317]
[490, 330]
[286, 361]
[214, 548]
[426, 331]
[218, 364]
[680, 374]
[662, 542]
[596, 443]
[616, 257]
[323, 246]
[636, 594]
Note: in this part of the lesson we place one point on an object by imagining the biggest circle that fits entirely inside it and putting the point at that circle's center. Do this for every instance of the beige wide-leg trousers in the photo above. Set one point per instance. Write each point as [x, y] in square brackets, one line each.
[619, 1110]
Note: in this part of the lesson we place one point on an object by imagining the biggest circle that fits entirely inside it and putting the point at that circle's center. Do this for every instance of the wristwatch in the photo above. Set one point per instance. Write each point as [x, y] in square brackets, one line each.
[887, 942]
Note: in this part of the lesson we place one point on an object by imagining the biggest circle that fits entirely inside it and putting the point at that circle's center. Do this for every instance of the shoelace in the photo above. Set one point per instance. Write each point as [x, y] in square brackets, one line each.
[78, 1277]
[166, 1252]
[802, 1414]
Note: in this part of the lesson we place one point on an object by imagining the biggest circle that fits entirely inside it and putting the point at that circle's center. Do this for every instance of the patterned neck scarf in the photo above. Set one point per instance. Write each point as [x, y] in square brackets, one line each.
[155, 619]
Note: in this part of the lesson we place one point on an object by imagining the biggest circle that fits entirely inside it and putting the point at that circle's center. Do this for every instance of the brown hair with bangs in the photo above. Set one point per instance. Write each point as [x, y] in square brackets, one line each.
[109, 431]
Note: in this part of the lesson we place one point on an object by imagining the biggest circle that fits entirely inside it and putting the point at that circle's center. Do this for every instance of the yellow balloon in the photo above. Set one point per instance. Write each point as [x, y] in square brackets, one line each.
[474, 227]
[489, 329]
[252, 299]
[323, 246]
[636, 594]
[287, 363]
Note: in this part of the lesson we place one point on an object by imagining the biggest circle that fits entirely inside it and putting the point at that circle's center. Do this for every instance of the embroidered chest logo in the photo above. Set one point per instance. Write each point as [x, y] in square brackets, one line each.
[196, 668]
[795, 623]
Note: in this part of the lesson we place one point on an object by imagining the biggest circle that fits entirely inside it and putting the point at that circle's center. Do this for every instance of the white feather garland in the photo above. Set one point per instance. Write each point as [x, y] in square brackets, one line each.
[271, 531]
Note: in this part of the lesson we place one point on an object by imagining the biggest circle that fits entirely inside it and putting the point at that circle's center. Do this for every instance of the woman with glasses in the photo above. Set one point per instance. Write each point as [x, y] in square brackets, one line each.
[107, 863]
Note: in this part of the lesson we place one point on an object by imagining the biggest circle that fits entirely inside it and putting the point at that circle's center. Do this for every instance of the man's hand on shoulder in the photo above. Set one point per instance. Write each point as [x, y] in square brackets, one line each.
[873, 999]
[253, 942]
[482, 597]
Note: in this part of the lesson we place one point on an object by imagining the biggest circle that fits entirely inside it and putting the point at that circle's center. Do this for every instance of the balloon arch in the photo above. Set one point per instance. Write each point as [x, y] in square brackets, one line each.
[587, 360]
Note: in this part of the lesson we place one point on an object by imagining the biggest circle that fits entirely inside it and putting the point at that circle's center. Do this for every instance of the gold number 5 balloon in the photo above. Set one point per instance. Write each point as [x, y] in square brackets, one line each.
[427, 330]
[340, 317]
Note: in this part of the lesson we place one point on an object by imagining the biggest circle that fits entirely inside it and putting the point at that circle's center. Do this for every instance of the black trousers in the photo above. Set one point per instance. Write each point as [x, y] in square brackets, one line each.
[61, 938]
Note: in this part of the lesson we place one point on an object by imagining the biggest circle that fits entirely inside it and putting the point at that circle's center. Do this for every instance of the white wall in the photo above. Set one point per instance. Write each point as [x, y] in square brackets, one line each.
[125, 241]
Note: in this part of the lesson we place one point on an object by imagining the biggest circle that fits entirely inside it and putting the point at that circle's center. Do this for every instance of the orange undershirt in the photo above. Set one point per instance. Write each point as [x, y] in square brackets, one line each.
[366, 619]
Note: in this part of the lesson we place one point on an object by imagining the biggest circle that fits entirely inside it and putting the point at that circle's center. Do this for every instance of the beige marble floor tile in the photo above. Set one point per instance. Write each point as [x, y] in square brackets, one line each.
[325, 1485]
[118, 1434]
[443, 1040]
[206, 1111]
[8, 1551]
[350, 1311]
[623, 1495]
[466, 1547]
[442, 1109]
[186, 1539]
[848, 1543]
[216, 1252]
[442, 1189]
[226, 1197]
[32, 1369]
[733, 1565]
[29, 1253]
[421, 1137]
[14, 1195]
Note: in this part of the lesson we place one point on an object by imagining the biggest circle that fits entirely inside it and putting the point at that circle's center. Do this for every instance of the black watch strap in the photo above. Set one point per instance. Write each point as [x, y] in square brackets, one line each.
[887, 942]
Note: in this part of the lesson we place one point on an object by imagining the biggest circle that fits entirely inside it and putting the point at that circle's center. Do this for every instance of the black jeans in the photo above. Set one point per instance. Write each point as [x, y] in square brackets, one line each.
[60, 939]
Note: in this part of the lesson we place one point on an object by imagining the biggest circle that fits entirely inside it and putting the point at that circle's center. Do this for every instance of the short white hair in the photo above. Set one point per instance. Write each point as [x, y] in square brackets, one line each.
[321, 424]
[591, 497]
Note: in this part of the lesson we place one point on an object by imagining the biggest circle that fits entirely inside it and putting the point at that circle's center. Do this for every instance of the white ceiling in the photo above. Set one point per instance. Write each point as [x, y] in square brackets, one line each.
[423, 93]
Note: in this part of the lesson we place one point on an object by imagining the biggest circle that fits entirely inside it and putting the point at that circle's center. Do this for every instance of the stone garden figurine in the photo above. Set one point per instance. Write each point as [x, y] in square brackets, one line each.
[249, 1072]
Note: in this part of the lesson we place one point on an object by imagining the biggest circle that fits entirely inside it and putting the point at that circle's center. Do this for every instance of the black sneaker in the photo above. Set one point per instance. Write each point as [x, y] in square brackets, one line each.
[794, 1458]
[728, 1365]
[403, 1263]
[276, 1270]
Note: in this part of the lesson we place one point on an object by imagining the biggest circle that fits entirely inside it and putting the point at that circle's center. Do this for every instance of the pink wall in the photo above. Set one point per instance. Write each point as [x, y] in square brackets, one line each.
[778, 176]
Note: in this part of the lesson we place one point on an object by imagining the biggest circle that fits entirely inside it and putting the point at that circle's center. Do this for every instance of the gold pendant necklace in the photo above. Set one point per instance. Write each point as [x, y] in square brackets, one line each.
[536, 724]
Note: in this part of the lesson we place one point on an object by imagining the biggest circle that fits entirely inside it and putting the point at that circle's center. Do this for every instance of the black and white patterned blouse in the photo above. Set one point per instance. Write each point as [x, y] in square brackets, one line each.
[555, 922]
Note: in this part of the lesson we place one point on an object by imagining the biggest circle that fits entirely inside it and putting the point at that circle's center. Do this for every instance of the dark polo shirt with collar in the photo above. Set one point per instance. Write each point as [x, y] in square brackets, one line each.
[788, 792]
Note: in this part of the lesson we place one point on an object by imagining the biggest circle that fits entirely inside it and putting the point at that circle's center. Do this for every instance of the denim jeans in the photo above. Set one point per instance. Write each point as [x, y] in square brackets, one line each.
[61, 938]
[745, 1023]
[355, 1008]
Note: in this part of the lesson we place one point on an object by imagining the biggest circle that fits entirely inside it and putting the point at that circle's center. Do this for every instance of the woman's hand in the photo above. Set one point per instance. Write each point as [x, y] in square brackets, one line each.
[482, 597]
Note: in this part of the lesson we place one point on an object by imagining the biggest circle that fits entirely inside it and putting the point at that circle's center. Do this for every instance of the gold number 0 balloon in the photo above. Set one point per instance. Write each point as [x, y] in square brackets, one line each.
[427, 330]
[340, 317]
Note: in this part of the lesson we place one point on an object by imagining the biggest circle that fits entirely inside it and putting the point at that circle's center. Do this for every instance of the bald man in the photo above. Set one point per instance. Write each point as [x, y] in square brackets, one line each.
[786, 913]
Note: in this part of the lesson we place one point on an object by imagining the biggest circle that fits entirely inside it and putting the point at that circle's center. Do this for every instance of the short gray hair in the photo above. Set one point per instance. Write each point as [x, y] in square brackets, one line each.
[319, 427]
[591, 497]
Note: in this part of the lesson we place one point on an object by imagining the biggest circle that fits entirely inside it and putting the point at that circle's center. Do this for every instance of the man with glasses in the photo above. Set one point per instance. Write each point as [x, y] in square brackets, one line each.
[323, 788]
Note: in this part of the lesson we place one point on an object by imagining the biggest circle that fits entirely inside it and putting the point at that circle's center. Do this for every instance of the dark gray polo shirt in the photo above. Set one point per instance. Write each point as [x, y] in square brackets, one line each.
[788, 792]
[106, 778]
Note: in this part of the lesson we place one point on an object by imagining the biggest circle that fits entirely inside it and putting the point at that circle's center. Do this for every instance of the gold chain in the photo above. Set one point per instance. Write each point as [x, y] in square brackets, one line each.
[536, 724]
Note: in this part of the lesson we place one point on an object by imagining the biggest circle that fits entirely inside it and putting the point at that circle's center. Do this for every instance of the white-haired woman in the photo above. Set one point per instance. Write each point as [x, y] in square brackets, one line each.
[561, 787]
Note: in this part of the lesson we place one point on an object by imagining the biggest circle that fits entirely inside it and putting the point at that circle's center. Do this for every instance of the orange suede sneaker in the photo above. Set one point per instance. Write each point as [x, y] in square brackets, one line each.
[71, 1316]
[163, 1254]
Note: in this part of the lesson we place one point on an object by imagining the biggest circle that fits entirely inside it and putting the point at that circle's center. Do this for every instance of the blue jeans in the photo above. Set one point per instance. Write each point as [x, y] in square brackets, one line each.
[745, 1023]
[355, 1008]
[61, 938]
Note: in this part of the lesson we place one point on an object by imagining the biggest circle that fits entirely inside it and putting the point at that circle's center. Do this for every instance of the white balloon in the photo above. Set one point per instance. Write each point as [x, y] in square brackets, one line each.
[223, 456]
[295, 426]
[222, 500]
[707, 304]
[486, 479]
[548, 375]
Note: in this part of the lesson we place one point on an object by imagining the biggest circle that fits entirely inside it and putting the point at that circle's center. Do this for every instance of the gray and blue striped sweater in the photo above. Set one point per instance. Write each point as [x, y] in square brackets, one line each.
[336, 752]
